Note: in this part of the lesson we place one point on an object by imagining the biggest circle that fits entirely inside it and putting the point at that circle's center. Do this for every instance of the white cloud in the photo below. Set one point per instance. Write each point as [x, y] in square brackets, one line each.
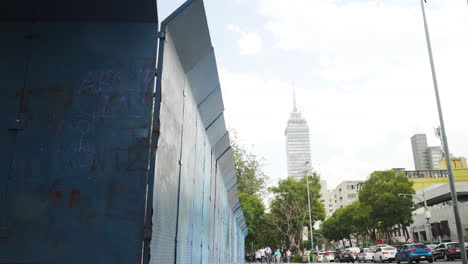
[373, 88]
[250, 43]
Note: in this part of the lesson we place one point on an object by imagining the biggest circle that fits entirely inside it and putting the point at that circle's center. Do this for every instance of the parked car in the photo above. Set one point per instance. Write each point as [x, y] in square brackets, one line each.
[383, 254]
[354, 251]
[365, 255]
[330, 256]
[414, 252]
[320, 256]
[432, 246]
[448, 251]
[344, 256]
[381, 245]
[361, 254]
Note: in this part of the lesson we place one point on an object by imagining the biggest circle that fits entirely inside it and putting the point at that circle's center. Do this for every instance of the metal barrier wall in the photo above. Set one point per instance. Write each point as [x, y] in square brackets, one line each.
[77, 98]
[81, 179]
[197, 215]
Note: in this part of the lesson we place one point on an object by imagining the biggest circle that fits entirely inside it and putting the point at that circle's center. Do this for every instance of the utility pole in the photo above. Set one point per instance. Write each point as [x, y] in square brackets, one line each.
[445, 143]
[427, 213]
[310, 214]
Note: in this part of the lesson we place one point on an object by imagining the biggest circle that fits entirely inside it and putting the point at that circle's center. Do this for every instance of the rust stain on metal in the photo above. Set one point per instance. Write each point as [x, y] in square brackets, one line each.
[74, 198]
[55, 196]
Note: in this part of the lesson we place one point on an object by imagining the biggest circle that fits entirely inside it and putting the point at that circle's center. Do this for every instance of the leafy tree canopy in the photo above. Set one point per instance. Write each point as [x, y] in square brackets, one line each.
[250, 177]
[289, 208]
[380, 192]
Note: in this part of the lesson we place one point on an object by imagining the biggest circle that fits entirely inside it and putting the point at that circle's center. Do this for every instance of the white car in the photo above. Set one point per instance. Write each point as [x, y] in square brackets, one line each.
[330, 256]
[383, 254]
[366, 255]
[321, 256]
[354, 251]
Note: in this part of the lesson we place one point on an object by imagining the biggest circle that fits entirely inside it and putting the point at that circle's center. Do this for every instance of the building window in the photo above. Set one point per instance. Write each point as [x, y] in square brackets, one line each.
[352, 195]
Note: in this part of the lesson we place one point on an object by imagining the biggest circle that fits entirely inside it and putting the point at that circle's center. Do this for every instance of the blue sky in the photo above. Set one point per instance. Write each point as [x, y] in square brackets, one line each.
[361, 73]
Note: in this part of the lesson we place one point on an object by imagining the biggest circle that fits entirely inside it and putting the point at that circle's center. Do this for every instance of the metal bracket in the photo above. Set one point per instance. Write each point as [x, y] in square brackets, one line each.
[162, 35]
[147, 233]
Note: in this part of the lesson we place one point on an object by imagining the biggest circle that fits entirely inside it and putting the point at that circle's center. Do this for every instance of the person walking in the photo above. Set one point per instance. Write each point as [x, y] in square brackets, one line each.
[288, 255]
[258, 256]
[278, 255]
[262, 253]
[268, 254]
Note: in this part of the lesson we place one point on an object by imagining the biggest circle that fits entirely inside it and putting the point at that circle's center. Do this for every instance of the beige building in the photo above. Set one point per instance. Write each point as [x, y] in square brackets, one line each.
[345, 193]
[326, 198]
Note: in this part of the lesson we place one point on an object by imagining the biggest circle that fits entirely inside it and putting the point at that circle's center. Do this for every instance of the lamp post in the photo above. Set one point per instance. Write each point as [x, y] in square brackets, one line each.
[453, 190]
[427, 213]
[310, 213]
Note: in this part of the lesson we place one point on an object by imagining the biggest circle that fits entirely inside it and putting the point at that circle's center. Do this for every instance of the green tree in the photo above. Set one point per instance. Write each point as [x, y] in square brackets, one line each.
[387, 208]
[250, 177]
[251, 186]
[362, 221]
[339, 226]
[289, 208]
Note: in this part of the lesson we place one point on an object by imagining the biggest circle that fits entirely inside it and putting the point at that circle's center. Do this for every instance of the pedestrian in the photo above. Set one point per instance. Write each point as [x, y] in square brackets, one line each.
[308, 256]
[288, 255]
[258, 255]
[262, 253]
[268, 254]
[278, 255]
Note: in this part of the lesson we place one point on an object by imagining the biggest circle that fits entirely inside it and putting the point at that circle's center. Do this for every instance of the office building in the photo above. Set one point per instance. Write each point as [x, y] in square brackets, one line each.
[345, 193]
[425, 157]
[326, 197]
[297, 144]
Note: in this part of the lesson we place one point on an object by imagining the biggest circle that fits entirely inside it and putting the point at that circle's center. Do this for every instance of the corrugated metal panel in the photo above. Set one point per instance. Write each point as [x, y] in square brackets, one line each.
[78, 100]
[168, 157]
[187, 181]
[206, 221]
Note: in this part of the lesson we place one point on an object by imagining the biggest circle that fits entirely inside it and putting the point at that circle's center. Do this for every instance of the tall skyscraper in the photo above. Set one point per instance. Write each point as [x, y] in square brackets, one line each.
[297, 144]
[419, 145]
[425, 157]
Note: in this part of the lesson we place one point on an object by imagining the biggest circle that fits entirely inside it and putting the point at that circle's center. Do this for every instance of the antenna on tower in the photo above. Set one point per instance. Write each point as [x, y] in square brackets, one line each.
[438, 134]
[294, 99]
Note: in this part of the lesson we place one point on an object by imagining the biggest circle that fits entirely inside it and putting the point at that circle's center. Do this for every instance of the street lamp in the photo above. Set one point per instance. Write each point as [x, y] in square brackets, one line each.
[453, 190]
[427, 213]
[310, 212]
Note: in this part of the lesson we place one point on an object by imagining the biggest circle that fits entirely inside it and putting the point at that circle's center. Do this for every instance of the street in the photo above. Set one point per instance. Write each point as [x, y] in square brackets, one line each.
[438, 262]
[457, 261]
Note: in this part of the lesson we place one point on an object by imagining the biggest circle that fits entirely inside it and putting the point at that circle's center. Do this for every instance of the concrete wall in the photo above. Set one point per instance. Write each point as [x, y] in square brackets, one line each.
[441, 213]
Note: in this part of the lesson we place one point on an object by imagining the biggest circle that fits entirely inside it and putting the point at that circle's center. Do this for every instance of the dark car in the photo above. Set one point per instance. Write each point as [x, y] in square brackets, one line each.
[447, 251]
[344, 256]
[414, 252]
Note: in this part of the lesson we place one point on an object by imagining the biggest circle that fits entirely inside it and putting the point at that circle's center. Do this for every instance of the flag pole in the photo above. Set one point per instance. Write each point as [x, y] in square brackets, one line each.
[448, 158]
